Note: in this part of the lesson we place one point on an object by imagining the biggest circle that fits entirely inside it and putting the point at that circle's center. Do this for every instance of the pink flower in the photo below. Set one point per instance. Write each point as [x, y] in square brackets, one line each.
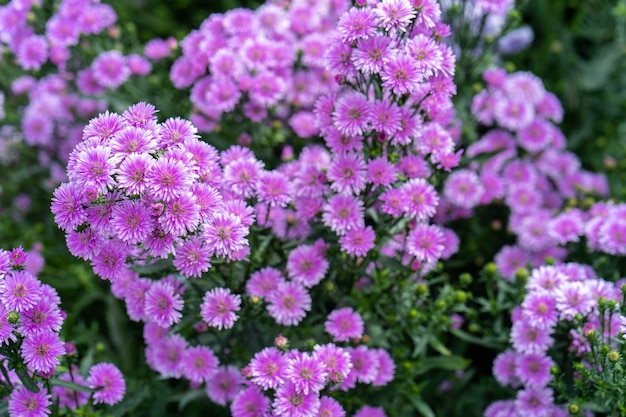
[218, 308]
[344, 324]
[109, 382]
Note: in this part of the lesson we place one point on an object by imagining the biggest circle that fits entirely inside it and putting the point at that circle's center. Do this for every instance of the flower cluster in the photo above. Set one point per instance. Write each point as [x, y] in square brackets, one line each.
[141, 190]
[30, 321]
[297, 379]
[263, 63]
[521, 161]
[557, 297]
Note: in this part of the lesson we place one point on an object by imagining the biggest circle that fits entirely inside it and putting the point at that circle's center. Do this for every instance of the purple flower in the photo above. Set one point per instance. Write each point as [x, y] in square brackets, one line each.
[289, 303]
[163, 304]
[337, 360]
[19, 291]
[342, 213]
[306, 372]
[358, 242]
[394, 15]
[198, 364]
[419, 199]
[32, 52]
[110, 69]
[368, 411]
[290, 402]
[357, 23]
[224, 385]
[463, 188]
[425, 242]
[344, 324]
[224, 234]
[347, 173]
[24, 403]
[371, 54]
[306, 265]
[401, 75]
[263, 282]
[537, 402]
[505, 368]
[41, 351]
[352, 113]
[218, 308]
[533, 369]
[109, 382]
[250, 402]
[268, 368]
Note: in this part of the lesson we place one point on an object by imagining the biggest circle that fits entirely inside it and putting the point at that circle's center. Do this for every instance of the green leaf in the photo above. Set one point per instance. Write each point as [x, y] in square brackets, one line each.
[26, 379]
[439, 346]
[158, 266]
[421, 406]
[487, 342]
[131, 402]
[189, 397]
[450, 363]
[71, 385]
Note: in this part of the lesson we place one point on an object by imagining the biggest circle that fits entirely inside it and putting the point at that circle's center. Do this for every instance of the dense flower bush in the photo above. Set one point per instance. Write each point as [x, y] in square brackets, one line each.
[311, 208]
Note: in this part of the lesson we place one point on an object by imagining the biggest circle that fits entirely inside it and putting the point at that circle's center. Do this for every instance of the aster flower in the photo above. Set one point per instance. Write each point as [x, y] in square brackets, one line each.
[290, 402]
[268, 368]
[527, 338]
[381, 172]
[19, 291]
[463, 188]
[168, 178]
[250, 402]
[198, 364]
[344, 324]
[181, 215]
[573, 298]
[32, 52]
[263, 282]
[352, 113]
[347, 173]
[419, 199]
[368, 411]
[358, 242]
[425, 242]
[192, 257]
[329, 407]
[218, 308]
[131, 221]
[539, 308]
[537, 402]
[25, 403]
[533, 370]
[394, 15]
[505, 368]
[224, 385]
[336, 359]
[109, 382]
[110, 69]
[242, 175]
[342, 213]
[371, 54]
[364, 364]
[306, 373]
[275, 189]
[289, 303]
[401, 75]
[385, 366]
[165, 356]
[41, 351]
[224, 234]
[357, 23]
[163, 304]
[306, 265]
[45, 315]
[93, 167]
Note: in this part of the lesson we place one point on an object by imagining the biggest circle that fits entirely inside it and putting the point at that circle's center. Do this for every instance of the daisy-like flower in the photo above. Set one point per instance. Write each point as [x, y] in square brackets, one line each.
[198, 364]
[537, 402]
[364, 364]
[357, 23]
[290, 402]
[419, 198]
[358, 242]
[539, 308]
[426, 53]
[394, 15]
[347, 173]
[306, 265]
[93, 168]
[329, 407]
[45, 315]
[401, 75]
[344, 324]
[250, 402]
[69, 397]
[352, 113]
[342, 213]
[180, 215]
[131, 221]
[527, 338]
[224, 385]
[224, 234]
[41, 351]
[19, 291]
[242, 175]
[108, 382]
[110, 69]
[67, 206]
[505, 368]
[219, 306]
[263, 282]
[163, 304]
[275, 189]
[168, 178]
[463, 188]
[306, 372]
[425, 242]
[131, 174]
[371, 54]
[386, 368]
[573, 298]
[533, 369]
[337, 360]
[192, 257]
[25, 403]
[133, 139]
[268, 368]
[165, 356]
[381, 172]
[289, 303]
